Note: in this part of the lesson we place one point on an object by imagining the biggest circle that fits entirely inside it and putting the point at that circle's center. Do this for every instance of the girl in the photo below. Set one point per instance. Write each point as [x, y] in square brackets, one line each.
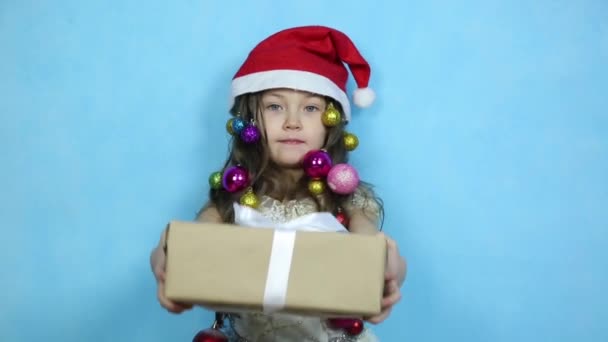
[289, 112]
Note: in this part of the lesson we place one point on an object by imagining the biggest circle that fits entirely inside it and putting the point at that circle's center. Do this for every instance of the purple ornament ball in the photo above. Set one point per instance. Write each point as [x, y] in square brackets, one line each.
[250, 134]
[236, 178]
[316, 163]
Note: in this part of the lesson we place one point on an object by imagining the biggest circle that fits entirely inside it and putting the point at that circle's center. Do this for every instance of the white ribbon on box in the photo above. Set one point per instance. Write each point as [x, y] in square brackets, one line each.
[283, 242]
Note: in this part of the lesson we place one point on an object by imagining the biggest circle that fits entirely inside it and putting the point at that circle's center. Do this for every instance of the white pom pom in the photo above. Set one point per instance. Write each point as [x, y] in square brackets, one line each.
[364, 97]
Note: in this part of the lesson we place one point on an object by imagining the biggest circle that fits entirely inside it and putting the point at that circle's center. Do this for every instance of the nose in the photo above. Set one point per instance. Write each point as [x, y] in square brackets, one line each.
[292, 121]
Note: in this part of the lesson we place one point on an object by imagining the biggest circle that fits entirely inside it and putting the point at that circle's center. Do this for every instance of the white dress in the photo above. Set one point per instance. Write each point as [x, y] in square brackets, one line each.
[260, 327]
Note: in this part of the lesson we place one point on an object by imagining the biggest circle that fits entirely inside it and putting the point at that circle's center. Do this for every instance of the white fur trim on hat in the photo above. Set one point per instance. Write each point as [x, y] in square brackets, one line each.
[292, 79]
[364, 97]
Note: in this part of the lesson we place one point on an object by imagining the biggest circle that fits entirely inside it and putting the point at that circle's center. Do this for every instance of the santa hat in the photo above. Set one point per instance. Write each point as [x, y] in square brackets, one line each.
[309, 58]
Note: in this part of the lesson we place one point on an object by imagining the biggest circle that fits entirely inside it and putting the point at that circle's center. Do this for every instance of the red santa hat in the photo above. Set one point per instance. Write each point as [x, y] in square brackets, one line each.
[309, 58]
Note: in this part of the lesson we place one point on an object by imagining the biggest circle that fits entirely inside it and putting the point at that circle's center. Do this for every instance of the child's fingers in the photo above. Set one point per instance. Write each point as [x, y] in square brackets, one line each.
[186, 306]
[381, 317]
[167, 304]
[391, 244]
[391, 285]
[390, 288]
[159, 274]
[393, 296]
[164, 302]
[390, 276]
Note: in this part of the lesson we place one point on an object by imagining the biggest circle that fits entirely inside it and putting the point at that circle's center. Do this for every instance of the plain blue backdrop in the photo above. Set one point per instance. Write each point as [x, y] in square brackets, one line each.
[488, 143]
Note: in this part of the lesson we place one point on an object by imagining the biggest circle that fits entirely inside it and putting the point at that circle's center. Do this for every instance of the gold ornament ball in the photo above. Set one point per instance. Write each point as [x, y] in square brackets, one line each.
[250, 199]
[331, 117]
[316, 187]
[229, 126]
[350, 141]
[215, 180]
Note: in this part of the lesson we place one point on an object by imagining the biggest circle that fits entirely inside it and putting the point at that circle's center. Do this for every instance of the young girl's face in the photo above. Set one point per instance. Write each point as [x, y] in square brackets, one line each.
[292, 120]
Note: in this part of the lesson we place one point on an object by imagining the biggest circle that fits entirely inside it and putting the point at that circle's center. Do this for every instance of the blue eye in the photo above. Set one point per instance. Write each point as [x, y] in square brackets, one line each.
[274, 107]
[311, 108]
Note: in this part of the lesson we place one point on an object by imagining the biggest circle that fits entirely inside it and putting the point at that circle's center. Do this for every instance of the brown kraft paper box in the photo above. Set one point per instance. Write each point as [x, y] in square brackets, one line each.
[225, 267]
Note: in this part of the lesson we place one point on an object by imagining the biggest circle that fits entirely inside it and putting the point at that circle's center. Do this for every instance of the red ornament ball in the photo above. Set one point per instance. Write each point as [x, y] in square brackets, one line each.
[317, 163]
[342, 218]
[210, 335]
[352, 327]
[236, 178]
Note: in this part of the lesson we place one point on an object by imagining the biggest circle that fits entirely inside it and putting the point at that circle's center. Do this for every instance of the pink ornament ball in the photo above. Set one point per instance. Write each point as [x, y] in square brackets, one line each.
[343, 179]
[236, 178]
[316, 163]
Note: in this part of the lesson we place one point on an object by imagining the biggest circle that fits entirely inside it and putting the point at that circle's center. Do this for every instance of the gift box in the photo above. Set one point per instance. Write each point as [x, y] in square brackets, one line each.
[231, 268]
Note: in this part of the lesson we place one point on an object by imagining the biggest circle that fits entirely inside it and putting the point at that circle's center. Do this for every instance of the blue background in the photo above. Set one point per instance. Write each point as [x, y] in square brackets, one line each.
[488, 143]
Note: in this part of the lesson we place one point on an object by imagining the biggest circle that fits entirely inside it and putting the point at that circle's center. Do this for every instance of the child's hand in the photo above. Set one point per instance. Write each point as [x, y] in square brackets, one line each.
[157, 261]
[394, 275]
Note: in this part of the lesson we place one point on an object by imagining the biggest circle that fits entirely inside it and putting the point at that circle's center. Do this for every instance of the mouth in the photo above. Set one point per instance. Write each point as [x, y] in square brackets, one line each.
[291, 141]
